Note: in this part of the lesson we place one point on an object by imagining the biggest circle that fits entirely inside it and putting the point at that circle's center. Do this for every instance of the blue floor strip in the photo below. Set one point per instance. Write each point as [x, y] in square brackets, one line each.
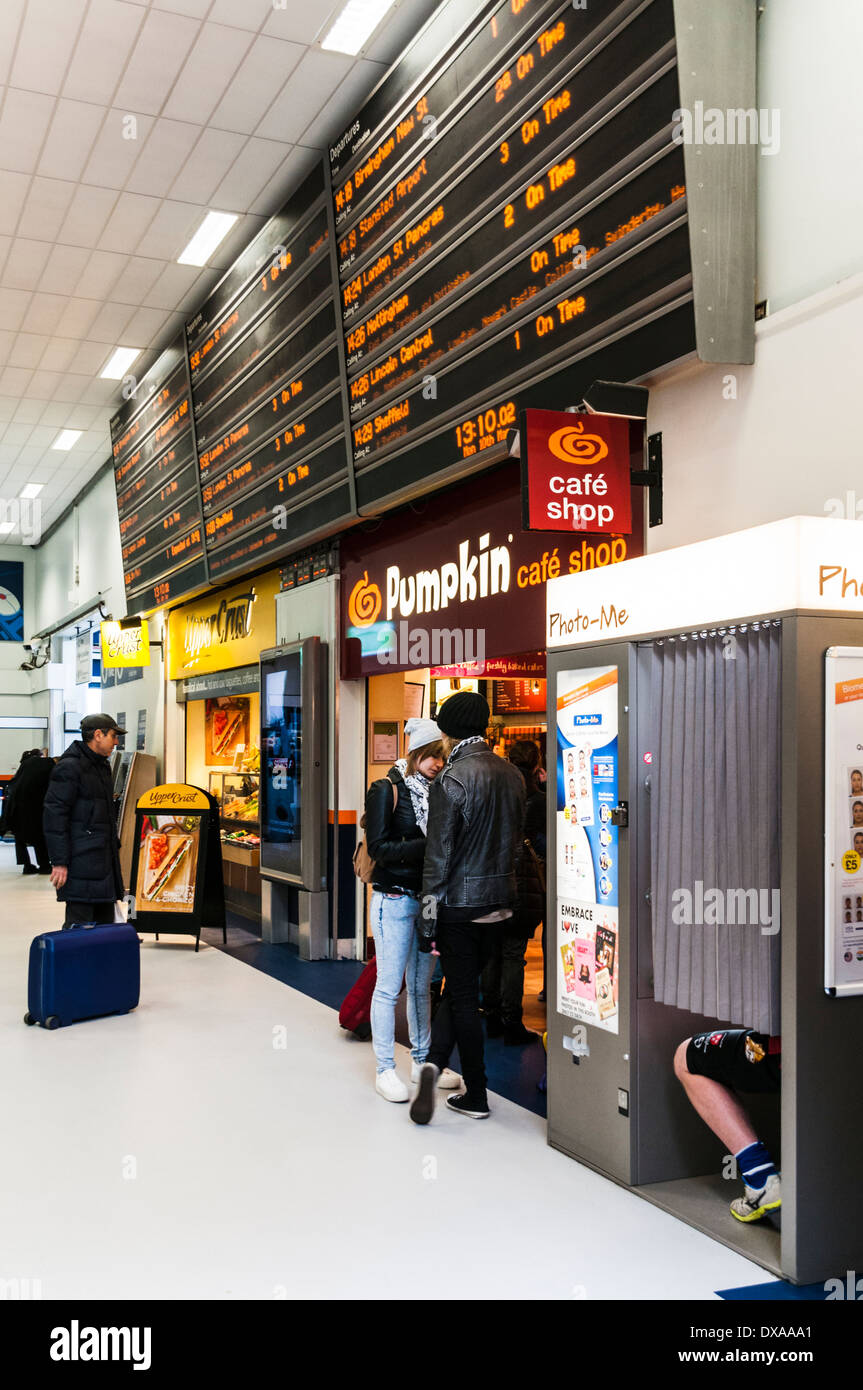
[779, 1291]
[512, 1072]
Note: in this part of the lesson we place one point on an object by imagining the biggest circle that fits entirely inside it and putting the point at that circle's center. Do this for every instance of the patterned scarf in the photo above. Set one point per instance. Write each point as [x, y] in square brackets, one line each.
[418, 786]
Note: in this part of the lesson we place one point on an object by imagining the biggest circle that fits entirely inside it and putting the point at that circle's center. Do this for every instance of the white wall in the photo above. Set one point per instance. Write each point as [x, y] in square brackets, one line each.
[90, 538]
[811, 192]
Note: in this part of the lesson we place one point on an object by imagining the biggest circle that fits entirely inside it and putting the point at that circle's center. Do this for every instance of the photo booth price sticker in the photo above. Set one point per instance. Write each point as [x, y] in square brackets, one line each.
[843, 821]
[586, 930]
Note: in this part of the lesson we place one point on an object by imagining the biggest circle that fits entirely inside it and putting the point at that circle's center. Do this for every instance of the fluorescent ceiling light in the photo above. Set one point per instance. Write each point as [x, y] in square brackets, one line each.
[213, 229]
[66, 438]
[31, 490]
[119, 362]
[6, 527]
[357, 21]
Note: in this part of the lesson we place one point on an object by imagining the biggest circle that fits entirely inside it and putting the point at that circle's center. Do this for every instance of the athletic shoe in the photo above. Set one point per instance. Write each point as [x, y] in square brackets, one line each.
[516, 1035]
[447, 1081]
[463, 1105]
[422, 1105]
[755, 1204]
[390, 1085]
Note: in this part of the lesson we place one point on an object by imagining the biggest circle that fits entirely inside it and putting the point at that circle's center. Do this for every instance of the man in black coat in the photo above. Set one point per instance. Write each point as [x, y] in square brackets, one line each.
[475, 822]
[23, 810]
[80, 827]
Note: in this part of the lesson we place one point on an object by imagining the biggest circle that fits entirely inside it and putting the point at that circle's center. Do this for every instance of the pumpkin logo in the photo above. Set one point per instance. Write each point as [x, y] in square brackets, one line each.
[365, 602]
[572, 445]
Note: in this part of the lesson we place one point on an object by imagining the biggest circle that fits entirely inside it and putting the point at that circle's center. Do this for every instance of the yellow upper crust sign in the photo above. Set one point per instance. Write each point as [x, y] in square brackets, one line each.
[128, 646]
[173, 796]
[224, 628]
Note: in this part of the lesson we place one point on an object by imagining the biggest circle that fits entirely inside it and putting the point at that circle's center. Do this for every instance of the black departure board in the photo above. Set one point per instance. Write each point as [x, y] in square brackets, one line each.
[158, 493]
[506, 220]
[267, 387]
[517, 207]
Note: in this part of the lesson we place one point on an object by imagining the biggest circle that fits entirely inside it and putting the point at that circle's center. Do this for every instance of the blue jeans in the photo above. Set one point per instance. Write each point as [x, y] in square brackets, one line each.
[393, 925]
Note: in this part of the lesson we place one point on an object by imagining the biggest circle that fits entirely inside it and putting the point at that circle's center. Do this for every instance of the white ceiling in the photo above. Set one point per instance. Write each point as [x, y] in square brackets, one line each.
[231, 102]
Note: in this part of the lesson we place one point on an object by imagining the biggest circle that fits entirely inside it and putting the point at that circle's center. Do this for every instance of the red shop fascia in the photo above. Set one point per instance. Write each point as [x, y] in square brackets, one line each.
[455, 578]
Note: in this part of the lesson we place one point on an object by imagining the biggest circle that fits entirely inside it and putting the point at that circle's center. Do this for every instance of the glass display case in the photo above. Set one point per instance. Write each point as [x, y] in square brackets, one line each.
[237, 796]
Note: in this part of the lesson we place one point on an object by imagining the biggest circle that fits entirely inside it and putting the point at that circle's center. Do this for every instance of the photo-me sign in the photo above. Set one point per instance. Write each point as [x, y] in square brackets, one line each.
[460, 582]
[575, 472]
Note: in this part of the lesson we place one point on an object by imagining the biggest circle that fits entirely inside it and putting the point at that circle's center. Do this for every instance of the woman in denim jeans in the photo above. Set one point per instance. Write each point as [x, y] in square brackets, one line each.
[396, 818]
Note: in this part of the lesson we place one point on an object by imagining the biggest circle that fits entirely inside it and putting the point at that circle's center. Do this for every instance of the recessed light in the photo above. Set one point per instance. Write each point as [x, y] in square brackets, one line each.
[66, 438]
[357, 21]
[213, 229]
[31, 490]
[119, 362]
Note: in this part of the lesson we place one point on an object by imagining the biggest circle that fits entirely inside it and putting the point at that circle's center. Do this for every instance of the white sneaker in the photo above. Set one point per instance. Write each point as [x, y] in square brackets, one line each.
[390, 1085]
[447, 1081]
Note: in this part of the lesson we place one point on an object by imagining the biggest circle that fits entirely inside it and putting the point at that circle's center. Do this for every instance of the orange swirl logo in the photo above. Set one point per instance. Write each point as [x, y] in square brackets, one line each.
[365, 602]
[572, 445]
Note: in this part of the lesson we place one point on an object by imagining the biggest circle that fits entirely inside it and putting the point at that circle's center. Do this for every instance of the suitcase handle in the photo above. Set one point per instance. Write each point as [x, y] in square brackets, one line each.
[74, 926]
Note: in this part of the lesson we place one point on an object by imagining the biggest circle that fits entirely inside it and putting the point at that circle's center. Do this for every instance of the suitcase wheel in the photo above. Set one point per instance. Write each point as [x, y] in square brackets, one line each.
[29, 1020]
[52, 1022]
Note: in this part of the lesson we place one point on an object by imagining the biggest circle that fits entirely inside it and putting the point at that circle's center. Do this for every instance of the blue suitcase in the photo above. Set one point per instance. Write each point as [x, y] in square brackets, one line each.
[83, 972]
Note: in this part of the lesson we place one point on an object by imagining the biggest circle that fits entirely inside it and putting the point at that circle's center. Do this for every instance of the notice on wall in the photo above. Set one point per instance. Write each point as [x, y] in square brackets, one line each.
[121, 738]
[587, 936]
[843, 821]
[142, 730]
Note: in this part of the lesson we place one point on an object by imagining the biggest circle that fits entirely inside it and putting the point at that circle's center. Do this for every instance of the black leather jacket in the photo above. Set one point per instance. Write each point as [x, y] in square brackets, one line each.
[393, 838]
[476, 815]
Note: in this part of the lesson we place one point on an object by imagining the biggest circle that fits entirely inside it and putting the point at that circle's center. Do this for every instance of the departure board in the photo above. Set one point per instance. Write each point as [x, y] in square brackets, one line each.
[512, 209]
[158, 493]
[268, 396]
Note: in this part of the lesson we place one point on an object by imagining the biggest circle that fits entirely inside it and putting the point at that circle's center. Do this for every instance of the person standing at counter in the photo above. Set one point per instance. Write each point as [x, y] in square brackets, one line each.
[396, 819]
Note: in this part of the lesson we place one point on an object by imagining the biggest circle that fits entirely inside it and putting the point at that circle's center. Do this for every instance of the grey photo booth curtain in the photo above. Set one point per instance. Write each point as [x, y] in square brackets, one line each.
[714, 812]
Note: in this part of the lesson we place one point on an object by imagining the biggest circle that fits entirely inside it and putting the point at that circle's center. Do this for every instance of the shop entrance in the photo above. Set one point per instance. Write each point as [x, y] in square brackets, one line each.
[517, 700]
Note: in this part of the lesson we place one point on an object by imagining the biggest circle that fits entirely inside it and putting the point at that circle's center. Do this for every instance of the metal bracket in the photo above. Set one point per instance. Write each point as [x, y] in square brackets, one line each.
[620, 814]
[651, 478]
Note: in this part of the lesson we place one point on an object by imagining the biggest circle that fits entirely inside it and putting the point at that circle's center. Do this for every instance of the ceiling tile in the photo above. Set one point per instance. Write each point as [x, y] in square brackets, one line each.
[196, 8]
[251, 172]
[162, 157]
[45, 44]
[114, 153]
[63, 266]
[42, 437]
[170, 230]
[174, 282]
[82, 417]
[13, 195]
[88, 212]
[54, 413]
[244, 14]
[7, 340]
[214, 59]
[14, 381]
[27, 350]
[22, 129]
[13, 306]
[145, 325]
[17, 435]
[136, 281]
[207, 165]
[45, 312]
[43, 385]
[102, 270]
[108, 328]
[73, 129]
[58, 354]
[90, 358]
[45, 208]
[301, 23]
[76, 318]
[29, 412]
[260, 77]
[25, 263]
[68, 389]
[158, 56]
[131, 217]
[98, 392]
[11, 14]
[312, 84]
[334, 114]
[106, 41]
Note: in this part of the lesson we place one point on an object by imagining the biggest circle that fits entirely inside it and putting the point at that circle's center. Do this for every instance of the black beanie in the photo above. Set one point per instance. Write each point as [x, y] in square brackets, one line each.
[463, 715]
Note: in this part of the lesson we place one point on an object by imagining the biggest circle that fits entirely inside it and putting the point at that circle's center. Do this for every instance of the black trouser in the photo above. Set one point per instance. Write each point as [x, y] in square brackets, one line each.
[86, 913]
[503, 977]
[465, 948]
[22, 853]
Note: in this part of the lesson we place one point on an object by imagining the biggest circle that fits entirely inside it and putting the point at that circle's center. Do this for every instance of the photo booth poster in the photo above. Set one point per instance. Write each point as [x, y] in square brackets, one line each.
[587, 847]
[11, 601]
[843, 812]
